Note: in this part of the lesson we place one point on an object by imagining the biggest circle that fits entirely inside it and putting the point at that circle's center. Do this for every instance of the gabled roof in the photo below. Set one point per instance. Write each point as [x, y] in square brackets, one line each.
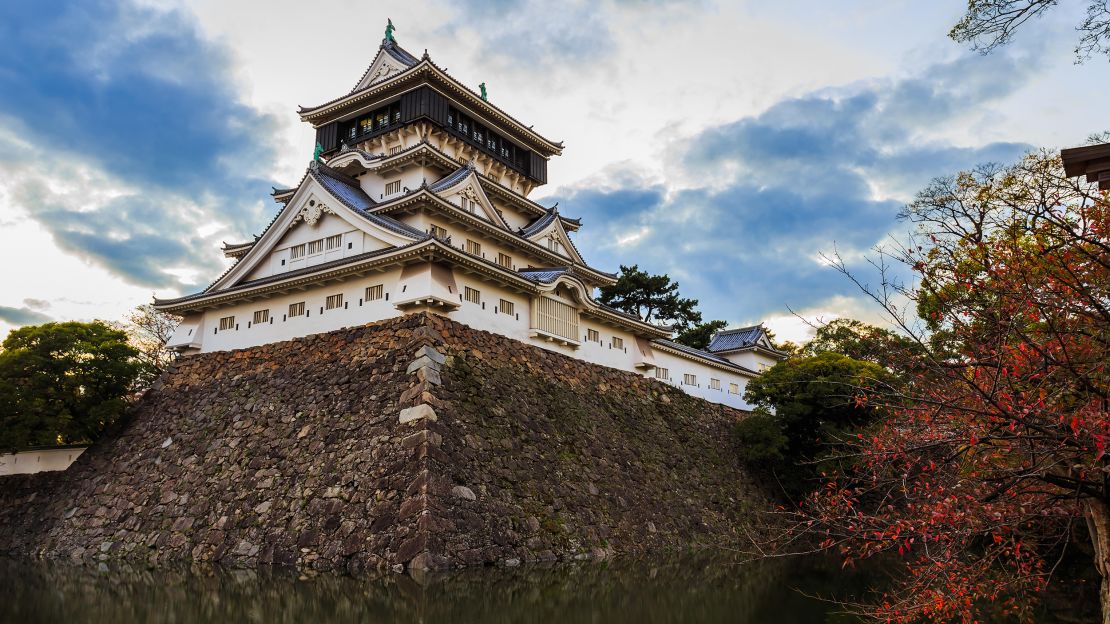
[553, 223]
[426, 69]
[389, 49]
[753, 337]
[347, 190]
[235, 250]
[452, 178]
[544, 276]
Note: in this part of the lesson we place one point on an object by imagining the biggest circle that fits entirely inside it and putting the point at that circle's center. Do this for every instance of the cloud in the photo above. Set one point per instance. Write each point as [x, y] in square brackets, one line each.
[121, 133]
[758, 199]
[22, 316]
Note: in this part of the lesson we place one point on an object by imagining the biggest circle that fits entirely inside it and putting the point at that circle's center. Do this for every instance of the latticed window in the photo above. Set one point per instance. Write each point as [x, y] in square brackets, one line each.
[261, 316]
[473, 247]
[505, 260]
[556, 317]
[396, 149]
[593, 335]
[690, 380]
[296, 309]
[333, 301]
[618, 343]
[472, 295]
[393, 187]
[227, 322]
[296, 252]
[506, 307]
[438, 232]
[333, 242]
[734, 388]
[714, 384]
[375, 292]
[315, 247]
[663, 373]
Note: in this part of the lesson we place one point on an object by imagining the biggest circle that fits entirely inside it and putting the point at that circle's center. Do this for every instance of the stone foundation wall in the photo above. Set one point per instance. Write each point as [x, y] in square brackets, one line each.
[417, 442]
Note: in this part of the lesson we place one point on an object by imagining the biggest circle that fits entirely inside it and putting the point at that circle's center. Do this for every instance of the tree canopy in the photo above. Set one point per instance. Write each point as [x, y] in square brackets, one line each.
[63, 383]
[655, 299]
[998, 441]
[989, 24]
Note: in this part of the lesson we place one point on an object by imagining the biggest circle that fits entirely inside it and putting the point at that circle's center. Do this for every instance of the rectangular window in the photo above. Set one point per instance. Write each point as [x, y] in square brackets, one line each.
[366, 125]
[334, 301]
[296, 309]
[227, 322]
[373, 293]
[296, 252]
[734, 388]
[396, 149]
[714, 384]
[315, 247]
[506, 307]
[473, 247]
[663, 373]
[261, 316]
[556, 317]
[333, 242]
[472, 295]
[467, 205]
[438, 232]
[593, 335]
[618, 343]
[505, 260]
[553, 244]
[393, 187]
[690, 380]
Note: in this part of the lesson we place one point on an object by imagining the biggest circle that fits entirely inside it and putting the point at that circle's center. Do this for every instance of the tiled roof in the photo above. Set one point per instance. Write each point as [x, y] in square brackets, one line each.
[543, 276]
[347, 190]
[539, 224]
[396, 52]
[701, 354]
[732, 339]
[452, 178]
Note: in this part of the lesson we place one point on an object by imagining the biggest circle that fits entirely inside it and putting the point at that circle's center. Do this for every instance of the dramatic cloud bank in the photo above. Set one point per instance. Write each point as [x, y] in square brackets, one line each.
[121, 135]
[747, 207]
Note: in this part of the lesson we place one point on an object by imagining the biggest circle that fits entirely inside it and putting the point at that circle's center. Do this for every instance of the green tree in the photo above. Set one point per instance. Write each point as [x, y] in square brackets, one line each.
[699, 335]
[64, 383]
[861, 341]
[805, 408]
[651, 298]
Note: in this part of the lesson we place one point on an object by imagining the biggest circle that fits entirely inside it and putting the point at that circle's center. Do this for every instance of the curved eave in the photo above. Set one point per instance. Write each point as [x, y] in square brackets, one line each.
[318, 115]
[733, 368]
[294, 280]
[775, 353]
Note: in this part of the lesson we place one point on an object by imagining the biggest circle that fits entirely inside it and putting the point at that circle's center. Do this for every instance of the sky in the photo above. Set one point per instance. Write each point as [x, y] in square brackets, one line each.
[729, 144]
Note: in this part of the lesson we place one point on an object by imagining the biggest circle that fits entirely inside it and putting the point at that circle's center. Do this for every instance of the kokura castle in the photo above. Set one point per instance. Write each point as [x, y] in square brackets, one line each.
[417, 200]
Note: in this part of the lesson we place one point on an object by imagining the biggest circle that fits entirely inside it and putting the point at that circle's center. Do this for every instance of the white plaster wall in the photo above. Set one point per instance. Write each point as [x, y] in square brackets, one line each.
[41, 460]
[373, 184]
[486, 315]
[751, 359]
[281, 327]
[679, 366]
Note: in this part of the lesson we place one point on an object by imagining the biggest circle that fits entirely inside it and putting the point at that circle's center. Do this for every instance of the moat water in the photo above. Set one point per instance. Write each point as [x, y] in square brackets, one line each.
[686, 589]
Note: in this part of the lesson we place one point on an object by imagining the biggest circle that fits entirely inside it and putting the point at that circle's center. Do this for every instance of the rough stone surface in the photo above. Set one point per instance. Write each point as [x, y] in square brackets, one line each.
[293, 453]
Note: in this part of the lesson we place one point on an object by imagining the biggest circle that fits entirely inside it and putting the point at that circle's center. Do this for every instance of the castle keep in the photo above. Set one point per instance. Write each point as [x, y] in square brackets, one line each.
[417, 201]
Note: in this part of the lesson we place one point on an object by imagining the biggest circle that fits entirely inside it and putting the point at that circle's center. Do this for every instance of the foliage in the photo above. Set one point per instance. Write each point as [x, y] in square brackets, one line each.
[652, 298]
[817, 402]
[699, 335]
[988, 24]
[999, 443]
[861, 341]
[149, 330]
[63, 383]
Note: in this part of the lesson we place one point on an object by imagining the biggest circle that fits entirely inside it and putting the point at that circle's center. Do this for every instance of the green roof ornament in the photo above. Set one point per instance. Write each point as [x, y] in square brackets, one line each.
[485, 96]
[389, 28]
[316, 152]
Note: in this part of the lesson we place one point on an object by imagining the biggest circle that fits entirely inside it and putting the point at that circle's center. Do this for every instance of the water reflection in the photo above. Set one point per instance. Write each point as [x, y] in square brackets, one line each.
[689, 589]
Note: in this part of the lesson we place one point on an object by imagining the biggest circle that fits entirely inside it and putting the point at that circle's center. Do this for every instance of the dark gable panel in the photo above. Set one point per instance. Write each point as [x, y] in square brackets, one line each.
[537, 168]
[327, 136]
